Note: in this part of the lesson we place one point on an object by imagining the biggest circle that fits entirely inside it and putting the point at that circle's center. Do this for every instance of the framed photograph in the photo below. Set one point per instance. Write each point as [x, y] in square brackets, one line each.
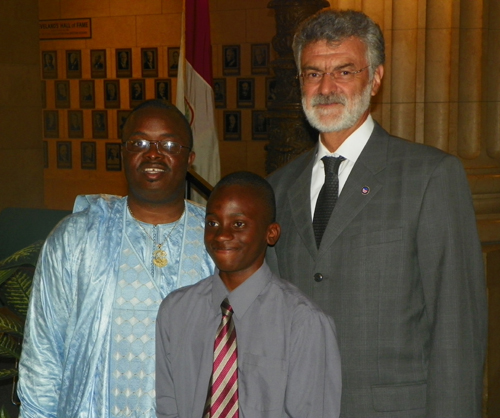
[270, 90]
[61, 88]
[88, 155]
[231, 59]
[87, 94]
[51, 124]
[123, 62]
[220, 92]
[113, 157]
[173, 61]
[49, 64]
[64, 156]
[260, 58]
[99, 123]
[137, 92]
[245, 92]
[44, 94]
[75, 123]
[149, 62]
[98, 63]
[163, 89]
[74, 63]
[232, 125]
[111, 94]
[121, 117]
[45, 154]
[259, 124]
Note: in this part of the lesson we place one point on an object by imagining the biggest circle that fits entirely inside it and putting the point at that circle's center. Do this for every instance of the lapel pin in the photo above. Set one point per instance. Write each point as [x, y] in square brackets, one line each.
[365, 190]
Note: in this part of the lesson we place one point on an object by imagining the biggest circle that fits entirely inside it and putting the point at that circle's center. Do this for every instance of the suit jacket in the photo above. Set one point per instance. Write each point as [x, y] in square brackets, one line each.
[400, 270]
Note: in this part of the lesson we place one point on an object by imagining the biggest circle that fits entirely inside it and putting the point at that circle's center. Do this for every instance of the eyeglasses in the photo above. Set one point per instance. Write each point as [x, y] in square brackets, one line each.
[340, 76]
[163, 147]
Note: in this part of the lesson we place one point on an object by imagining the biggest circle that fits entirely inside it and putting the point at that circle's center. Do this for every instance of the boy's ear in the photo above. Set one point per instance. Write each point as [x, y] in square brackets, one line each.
[273, 233]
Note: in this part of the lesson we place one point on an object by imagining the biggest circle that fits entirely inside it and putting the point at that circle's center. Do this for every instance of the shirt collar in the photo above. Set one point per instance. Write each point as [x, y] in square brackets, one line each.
[244, 295]
[351, 148]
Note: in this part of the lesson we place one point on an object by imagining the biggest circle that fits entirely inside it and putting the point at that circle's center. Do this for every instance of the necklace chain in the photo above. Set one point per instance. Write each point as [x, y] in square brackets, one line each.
[159, 256]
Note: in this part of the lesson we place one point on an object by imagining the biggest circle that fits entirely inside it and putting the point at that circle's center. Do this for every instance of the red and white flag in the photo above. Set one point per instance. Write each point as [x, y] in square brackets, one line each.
[195, 96]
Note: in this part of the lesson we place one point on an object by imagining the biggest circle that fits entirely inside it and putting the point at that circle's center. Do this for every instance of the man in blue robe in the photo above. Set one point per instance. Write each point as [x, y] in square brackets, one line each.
[103, 271]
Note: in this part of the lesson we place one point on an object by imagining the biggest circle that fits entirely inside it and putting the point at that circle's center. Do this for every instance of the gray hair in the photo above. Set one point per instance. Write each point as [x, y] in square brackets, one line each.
[335, 26]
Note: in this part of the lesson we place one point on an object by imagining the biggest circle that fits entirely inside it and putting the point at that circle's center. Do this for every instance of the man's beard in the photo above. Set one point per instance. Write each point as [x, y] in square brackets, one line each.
[350, 113]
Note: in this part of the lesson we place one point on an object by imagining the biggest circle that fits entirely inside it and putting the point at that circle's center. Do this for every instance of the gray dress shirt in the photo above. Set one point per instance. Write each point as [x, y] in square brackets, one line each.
[288, 357]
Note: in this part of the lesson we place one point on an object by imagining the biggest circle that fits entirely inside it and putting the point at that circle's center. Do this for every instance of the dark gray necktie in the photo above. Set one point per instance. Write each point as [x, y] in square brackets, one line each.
[327, 196]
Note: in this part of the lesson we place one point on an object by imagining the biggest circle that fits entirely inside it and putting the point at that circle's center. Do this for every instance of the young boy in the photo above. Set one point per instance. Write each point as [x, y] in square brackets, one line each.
[276, 353]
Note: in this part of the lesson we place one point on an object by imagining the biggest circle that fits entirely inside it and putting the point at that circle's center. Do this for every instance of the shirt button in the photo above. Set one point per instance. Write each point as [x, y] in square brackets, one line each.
[318, 277]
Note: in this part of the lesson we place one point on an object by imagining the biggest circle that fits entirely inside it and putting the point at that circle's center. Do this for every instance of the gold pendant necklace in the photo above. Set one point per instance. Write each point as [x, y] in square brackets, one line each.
[159, 255]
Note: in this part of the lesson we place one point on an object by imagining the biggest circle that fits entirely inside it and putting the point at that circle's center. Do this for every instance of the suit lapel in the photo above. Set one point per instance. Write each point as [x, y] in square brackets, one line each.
[361, 186]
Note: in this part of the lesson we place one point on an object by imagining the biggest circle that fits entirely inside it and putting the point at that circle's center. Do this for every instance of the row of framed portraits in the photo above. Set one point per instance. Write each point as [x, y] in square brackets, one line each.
[88, 155]
[231, 62]
[245, 92]
[99, 66]
[100, 128]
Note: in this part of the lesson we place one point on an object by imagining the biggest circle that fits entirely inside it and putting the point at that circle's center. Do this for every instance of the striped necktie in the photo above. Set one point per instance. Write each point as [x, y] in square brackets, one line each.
[222, 398]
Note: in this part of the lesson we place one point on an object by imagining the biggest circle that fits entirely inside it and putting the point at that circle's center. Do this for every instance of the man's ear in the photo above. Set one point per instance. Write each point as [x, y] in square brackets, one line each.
[273, 233]
[377, 79]
[191, 158]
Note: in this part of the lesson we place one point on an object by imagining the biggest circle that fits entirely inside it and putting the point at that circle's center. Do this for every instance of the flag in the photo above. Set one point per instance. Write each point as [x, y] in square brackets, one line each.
[195, 96]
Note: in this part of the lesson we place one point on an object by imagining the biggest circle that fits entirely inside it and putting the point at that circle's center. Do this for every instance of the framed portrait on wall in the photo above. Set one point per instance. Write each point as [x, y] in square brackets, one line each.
[137, 92]
[49, 64]
[163, 89]
[88, 155]
[87, 94]
[100, 124]
[260, 58]
[220, 93]
[149, 62]
[259, 125]
[75, 124]
[73, 63]
[231, 59]
[113, 157]
[121, 117]
[173, 61]
[64, 155]
[111, 94]
[61, 94]
[270, 90]
[232, 125]
[245, 92]
[98, 63]
[44, 94]
[123, 62]
[51, 124]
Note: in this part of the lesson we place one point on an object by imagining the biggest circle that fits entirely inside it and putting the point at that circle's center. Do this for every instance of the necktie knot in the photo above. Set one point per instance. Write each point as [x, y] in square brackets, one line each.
[332, 164]
[226, 308]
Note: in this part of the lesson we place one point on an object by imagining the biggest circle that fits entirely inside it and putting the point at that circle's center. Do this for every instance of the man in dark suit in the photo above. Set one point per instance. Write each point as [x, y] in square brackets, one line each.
[397, 263]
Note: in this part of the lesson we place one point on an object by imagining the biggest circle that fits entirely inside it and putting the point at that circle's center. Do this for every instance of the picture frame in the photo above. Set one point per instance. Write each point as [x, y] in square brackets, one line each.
[75, 123]
[232, 125]
[98, 67]
[231, 59]
[51, 124]
[121, 117]
[49, 64]
[100, 124]
[45, 154]
[73, 63]
[62, 94]
[163, 87]
[123, 58]
[260, 58]
[111, 94]
[270, 90]
[220, 93]
[88, 157]
[137, 92]
[64, 154]
[43, 95]
[245, 92]
[87, 94]
[260, 125]
[113, 157]
[149, 62]
[173, 55]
